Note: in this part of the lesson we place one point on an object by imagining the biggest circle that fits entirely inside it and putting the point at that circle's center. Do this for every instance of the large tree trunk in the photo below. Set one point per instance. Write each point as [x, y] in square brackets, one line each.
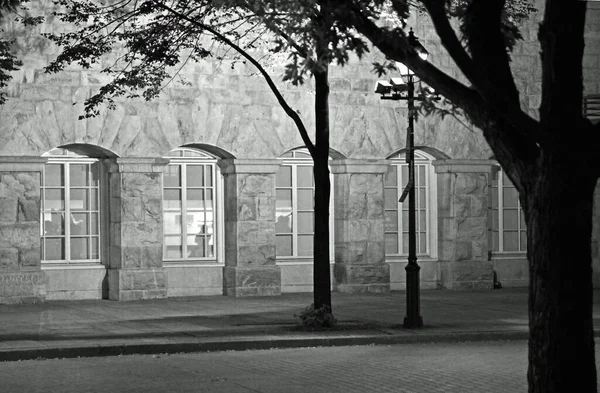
[321, 272]
[559, 228]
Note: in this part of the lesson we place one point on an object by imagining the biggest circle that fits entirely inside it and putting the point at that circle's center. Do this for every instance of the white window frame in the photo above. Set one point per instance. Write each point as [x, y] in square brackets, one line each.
[201, 158]
[497, 182]
[294, 162]
[431, 217]
[65, 158]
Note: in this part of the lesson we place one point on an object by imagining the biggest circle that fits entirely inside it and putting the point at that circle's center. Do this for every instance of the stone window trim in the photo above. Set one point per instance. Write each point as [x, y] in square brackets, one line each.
[66, 159]
[498, 182]
[301, 158]
[428, 185]
[201, 157]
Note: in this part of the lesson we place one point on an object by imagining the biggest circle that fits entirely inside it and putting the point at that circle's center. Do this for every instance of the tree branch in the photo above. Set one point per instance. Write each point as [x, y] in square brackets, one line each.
[288, 110]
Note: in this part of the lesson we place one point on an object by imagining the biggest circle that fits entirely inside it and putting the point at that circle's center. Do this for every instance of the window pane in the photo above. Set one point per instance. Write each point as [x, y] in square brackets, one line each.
[405, 220]
[54, 199]
[78, 174]
[405, 243]
[283, 223]
[95, 254]
[53, 175]
[495, 241]
[522, 219]
[79, 199]
[284, 199]
[79, 224]
[283, 245]
[173, 223]
[523, 236]
[95, 174]
[511, 239]
[301, 154]
[391, 243]
[306, 199]
[94, 224]
[421, 175]
[55, 249]
[172, 199]
[422, 198]
[284, 176]
[305, 245]
[196, 222]
[422, 223]
[196, 246]
[305, 222]
[510, 219]
[195, 199]
[494, 197]
[305, 176]
[510, 197]
[391, 198]
[195, 175]
[79, 248]
[391, 176]
[422, 243]
[391, 221]
[173, 247]
[172, 176]
[94, 201]
[208, 179]
[53, 224]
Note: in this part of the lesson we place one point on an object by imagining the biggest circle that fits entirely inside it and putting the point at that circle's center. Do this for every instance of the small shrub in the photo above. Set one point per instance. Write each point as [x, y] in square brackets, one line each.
[320, 318]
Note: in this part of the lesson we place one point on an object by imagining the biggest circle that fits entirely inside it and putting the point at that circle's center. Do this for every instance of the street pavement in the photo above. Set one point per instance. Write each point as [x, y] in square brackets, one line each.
[490, 367]
[67, 329]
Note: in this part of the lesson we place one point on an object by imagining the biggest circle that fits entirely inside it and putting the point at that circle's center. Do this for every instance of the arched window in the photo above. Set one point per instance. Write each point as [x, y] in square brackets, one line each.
[191, 188]
[294, 206]
[70, 210]
[509, 233]
[396, 213]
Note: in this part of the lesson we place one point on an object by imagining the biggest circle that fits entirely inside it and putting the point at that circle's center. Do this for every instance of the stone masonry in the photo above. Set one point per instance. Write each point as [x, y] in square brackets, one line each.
[462, 223]
[136, 229]
[21, 278]
[250, 268]
[359, 226]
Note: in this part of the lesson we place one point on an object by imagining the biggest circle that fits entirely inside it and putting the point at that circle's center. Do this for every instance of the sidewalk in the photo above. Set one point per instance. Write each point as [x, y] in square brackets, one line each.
[58, 329]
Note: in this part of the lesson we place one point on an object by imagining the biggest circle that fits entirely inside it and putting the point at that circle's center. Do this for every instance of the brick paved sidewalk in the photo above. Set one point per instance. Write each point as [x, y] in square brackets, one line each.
[102, 327]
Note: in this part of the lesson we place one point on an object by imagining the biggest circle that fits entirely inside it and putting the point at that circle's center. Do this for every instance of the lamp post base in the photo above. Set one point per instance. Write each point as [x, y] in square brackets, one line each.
[413, 317]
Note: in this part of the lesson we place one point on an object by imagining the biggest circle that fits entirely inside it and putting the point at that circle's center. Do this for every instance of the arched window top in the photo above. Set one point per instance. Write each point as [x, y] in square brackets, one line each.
[301, 154]
[187, 153]
[419, 156]
[64, 153]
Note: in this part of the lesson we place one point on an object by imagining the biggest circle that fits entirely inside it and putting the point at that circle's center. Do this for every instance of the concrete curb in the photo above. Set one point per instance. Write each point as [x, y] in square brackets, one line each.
[247, 344]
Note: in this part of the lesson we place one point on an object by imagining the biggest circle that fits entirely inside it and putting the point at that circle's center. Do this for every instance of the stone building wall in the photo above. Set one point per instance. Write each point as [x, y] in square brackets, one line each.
[229, 111]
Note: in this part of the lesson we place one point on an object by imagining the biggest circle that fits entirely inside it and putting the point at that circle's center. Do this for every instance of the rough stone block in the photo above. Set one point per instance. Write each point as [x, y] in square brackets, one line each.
[29, 257]
[251, 281]
[362, 278]
[9, 258]
[22, 287]
[137, 284]
[460, 275]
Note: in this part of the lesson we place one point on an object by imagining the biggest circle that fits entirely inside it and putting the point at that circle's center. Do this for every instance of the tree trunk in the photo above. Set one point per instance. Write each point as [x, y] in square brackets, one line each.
[559, 228]
[321, 272]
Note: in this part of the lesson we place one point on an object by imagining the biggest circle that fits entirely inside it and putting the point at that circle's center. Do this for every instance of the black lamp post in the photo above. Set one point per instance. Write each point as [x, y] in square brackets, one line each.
[393, 90]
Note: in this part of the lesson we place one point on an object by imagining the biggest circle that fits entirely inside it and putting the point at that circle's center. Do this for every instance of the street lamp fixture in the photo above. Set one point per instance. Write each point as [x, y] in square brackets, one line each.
[394, 90]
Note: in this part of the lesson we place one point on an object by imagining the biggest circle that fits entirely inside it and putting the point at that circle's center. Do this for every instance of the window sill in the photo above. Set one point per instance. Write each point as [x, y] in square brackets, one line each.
[72, 265]
[211, 263]
[296, 261]
[508, 255]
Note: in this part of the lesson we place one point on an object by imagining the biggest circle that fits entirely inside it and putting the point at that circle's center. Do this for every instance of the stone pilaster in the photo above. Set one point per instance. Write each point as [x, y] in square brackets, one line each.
[463, 223]
[359, 226]
[136, 229]
[21, 277]
[250, 268]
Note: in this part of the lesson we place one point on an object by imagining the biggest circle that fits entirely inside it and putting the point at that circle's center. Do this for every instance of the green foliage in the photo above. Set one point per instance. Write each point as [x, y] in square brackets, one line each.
[312, 319]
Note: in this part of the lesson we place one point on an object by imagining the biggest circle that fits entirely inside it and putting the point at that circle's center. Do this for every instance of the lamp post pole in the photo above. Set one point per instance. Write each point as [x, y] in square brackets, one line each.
[413, 317]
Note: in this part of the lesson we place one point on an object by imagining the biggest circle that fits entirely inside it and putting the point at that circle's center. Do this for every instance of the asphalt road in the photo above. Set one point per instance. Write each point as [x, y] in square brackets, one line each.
[454, 367]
